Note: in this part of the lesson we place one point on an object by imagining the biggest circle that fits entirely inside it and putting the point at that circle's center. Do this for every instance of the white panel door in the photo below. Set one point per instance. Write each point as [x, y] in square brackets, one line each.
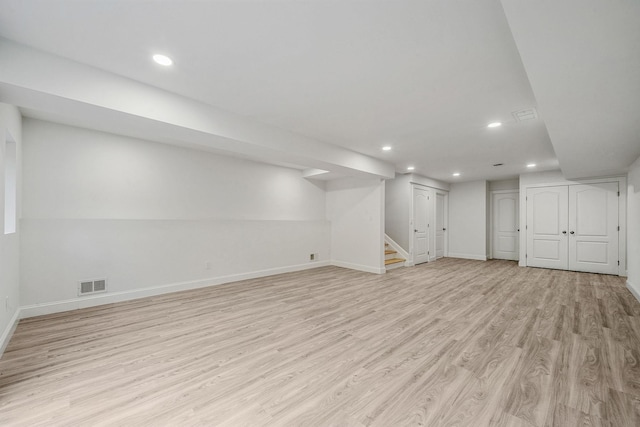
[593, 228]
[420, 225]
[505, 244]
[547, 227]
[440, 227]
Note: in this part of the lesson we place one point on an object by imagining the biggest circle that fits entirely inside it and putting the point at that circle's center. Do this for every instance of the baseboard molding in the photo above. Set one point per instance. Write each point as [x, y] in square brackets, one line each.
[8, 331]
[109, 298]
[467, 256]
[359, 267]
[634, 290]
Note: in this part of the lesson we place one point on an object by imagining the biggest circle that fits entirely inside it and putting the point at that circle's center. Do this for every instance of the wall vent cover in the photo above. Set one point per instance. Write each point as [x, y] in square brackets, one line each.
[89, 287]
[524, 115]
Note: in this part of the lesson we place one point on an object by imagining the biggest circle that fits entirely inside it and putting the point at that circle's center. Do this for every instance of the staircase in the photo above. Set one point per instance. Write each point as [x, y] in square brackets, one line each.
[391, 259]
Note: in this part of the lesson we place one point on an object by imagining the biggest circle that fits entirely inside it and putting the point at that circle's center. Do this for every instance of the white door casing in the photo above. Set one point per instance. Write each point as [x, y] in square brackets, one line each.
[505, 226]
[593, 228]
[547, 227]
[420, 225]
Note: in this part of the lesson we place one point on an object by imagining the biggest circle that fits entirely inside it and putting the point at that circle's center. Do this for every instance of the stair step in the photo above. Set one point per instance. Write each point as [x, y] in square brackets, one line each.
[390, 251]
[393, 261]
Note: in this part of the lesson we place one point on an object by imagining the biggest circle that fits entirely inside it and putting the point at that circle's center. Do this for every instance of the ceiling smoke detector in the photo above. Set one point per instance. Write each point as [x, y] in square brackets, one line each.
[524, 115]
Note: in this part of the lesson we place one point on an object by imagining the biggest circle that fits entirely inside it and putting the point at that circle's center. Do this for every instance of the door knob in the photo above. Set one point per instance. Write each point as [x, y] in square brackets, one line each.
[444, 229]
[572, 232]
[564, 232]
[415, 230]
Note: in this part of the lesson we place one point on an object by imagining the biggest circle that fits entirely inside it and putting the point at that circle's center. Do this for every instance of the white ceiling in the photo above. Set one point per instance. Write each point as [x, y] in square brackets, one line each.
[423, 76]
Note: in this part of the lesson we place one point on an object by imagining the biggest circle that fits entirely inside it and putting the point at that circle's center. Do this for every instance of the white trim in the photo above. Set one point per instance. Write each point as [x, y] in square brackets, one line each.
[467, 256]
[111, 297]
[396, 247]
[633, 290]
[9, 330]
[359, 267]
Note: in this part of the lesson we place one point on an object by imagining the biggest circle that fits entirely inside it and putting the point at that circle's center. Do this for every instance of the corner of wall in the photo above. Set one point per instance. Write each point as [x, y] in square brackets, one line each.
[635, 291]
[9, 330]
[11, 132]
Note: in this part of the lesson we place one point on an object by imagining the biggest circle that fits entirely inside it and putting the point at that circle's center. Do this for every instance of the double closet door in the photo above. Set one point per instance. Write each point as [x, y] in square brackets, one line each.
[573, 227]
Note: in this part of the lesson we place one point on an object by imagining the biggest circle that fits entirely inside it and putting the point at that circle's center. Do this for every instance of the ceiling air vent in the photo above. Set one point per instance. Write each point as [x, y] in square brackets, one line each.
[88, 287]
[524, 115]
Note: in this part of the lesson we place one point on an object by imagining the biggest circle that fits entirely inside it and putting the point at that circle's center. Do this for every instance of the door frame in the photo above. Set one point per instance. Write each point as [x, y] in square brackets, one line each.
[492, 193]
[622, 214]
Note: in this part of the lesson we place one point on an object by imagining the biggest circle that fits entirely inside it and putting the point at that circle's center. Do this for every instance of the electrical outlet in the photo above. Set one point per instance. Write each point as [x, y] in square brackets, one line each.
[313, 257]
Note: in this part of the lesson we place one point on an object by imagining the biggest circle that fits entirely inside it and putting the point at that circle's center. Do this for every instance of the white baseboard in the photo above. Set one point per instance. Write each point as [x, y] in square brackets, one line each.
[108, 298]
[634, 290]
[359, 267]
[8, 331]
[467, 256]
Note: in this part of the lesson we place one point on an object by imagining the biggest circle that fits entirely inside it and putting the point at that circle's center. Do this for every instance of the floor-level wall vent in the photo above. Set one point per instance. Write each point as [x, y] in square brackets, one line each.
[87, 287]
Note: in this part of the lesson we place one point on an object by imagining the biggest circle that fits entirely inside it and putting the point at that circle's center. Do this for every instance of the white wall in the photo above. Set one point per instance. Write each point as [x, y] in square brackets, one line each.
[355, 208]
[633, 228]
[429, 182]
[10, 129]
[504, 184]
[468, 220]
[155, 218]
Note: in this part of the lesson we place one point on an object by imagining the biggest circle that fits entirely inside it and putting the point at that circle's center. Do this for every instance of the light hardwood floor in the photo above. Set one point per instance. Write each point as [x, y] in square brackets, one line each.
[454, 342]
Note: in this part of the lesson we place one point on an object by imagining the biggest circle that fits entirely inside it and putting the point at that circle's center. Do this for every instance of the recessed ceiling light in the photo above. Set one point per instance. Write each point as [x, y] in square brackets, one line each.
[456, 174]
[386, 148]
[162, 60]
[531, 165]
[494, 125]
[410, 168]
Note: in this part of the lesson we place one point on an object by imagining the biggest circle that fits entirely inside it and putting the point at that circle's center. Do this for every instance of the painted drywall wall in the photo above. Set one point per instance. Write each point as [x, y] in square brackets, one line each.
[153, 216]
[468, 220]
[633, 228]
[504, 184]
[355, 208]
[10, 133]
[428, 182]
[397, 205]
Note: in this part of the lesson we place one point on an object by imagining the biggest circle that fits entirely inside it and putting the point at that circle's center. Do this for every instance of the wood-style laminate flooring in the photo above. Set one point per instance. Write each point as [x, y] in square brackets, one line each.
[450, 343]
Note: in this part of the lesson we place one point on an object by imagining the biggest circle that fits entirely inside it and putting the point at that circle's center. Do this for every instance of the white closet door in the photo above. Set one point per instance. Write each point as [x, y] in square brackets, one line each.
[593, 228]
[506, 217]
[420, 225]
[547, 227]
